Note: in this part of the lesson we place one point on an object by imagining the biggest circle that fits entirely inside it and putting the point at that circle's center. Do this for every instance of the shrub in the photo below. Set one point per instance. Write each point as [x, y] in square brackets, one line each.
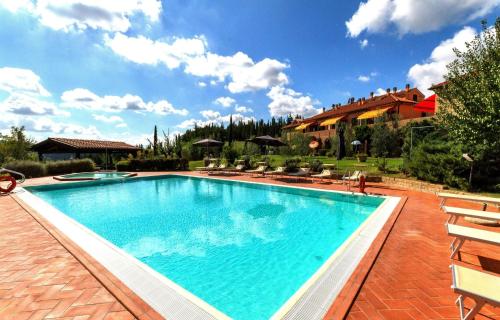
[382, 164]
[31, 169]
[315, 165]
[291, 164]
[152, 165]
[230, 153]
[69, 166]
[385, 142]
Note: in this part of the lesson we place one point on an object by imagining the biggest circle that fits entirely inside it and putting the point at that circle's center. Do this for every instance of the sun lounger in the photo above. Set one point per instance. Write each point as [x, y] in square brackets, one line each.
[211, 166]
[354, 177]
[301, 173]
[325, 174]
[278, 172]
[456, 212]
[445, 196]
[221, 168]
[259, 170]
[238, 168]
[462, 233]
[479, 286]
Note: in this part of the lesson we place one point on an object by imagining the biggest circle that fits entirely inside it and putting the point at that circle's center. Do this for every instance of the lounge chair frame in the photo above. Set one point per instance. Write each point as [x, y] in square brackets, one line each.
[479, 301]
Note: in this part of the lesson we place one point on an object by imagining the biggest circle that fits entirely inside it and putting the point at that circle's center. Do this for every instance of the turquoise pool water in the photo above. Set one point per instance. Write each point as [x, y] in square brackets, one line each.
[243, 248]
[96, 175]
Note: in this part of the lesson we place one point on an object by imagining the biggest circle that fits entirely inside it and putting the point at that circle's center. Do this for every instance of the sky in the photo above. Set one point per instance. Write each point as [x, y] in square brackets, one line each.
[100, 69]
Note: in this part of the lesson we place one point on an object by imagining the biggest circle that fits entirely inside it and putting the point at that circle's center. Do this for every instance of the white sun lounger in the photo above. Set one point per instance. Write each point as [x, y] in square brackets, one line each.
[479, 286]
[211, 166]
[259, 170]
[462, 233]
[456, 212]
[278, 172]
[354, 177]
[487, 200]
[326, 173]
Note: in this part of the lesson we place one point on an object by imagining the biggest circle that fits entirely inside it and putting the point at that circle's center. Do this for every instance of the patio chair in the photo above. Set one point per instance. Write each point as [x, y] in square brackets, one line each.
[211, 166]
[260, 170]
[354, 177]
[221, 168]
[479, 286]
[462, 233]
[325, 174]
[238, 168]
[278, 172]
[456, 212]
[486, 200]
[301, 173]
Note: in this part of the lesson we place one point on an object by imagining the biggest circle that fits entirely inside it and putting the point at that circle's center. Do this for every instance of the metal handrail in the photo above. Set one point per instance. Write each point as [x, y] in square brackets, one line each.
[23, 177]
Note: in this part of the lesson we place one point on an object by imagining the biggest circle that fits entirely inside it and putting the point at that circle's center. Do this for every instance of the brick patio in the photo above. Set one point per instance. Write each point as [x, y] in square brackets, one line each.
[409, 279]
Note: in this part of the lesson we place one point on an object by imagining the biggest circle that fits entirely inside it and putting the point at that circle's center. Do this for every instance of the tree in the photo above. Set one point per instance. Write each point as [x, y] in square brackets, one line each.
[384, 141]
[469, 102]
[16, 146]
[230, 130]
[155, 141]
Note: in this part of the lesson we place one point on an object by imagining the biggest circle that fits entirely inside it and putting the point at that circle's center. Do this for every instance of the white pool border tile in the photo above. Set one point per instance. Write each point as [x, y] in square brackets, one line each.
[171, 301]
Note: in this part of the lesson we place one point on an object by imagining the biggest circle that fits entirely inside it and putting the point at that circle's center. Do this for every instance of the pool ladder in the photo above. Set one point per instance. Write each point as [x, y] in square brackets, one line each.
[23, 178]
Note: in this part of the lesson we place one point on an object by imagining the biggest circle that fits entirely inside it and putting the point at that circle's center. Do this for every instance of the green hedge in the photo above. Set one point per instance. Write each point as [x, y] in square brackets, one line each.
[69, 166]
[152, 165]
[31, 169]
[34, 169]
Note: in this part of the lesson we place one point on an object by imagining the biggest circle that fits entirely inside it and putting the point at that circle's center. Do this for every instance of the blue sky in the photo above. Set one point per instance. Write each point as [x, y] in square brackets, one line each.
[114, 69]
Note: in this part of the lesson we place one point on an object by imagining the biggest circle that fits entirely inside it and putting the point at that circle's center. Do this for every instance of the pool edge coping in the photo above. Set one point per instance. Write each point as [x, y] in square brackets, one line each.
[112, 284]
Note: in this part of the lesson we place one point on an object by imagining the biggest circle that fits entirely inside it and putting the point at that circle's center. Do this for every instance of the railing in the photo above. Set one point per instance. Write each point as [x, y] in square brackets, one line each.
[23, 178]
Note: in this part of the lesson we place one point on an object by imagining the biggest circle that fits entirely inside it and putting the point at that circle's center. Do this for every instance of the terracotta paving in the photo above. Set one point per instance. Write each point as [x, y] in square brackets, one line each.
[409, 279]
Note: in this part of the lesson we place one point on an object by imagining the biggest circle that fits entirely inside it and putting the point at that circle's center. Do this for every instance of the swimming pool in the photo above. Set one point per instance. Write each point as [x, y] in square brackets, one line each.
[94, 176]
[245, 249]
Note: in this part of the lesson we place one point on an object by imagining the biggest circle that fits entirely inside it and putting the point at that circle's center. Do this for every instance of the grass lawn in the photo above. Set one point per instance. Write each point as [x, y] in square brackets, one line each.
[370, 166]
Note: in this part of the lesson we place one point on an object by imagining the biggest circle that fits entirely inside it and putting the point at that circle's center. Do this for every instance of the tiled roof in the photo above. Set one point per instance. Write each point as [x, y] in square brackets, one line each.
[370, 103]
[437, 86]
[88, 144]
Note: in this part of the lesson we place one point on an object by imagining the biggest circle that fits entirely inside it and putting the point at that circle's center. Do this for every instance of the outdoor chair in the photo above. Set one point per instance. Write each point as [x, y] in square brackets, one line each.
[238, 168]
[486, 200]
[278, 172]
[354, 177]
[260, 170]
[211, 166]
[325, 174]
[462, 233]
[456, 212]
[479, 286]
[301, 173]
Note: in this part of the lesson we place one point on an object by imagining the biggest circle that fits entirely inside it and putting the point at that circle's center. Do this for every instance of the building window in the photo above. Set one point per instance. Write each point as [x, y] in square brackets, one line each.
[415, 97]
[423, 114]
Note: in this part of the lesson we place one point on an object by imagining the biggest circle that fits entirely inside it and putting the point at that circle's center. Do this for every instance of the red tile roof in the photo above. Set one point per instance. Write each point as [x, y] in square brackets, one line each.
[370, 103]
[82, 144]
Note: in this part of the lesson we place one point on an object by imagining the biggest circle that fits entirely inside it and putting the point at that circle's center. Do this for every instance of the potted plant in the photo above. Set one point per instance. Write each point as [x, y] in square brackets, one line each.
[362, 157]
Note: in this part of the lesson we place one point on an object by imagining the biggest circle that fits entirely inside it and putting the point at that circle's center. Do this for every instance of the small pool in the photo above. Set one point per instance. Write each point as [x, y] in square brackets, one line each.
[245, 251]
[94, 176]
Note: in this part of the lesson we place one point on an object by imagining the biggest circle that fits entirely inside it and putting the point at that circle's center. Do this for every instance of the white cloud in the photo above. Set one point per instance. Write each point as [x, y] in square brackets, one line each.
[415, 16]
[106, 119]
[202, 84]
[380, 92]
[213, 117]
[363, 43]
[28, 105]
[84, 99]
[17, 5]
[225, 101]
[363, 78]
[243, 74]
[122, 125]
[25, 81]
[287, 101]
[68, 15]
[243, 109]
[143, 50]
[433, 69]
